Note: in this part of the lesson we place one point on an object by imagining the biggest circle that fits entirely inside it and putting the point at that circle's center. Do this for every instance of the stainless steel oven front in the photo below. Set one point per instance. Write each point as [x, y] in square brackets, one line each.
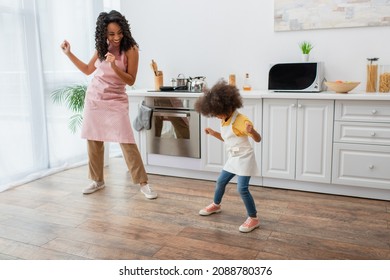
[175, 127]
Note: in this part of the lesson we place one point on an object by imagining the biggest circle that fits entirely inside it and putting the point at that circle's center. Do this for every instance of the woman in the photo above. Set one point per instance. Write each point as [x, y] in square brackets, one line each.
[106, 111]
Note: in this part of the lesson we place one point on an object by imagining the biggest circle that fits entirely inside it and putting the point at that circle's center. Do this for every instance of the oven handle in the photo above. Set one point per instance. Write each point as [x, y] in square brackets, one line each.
[170, 114]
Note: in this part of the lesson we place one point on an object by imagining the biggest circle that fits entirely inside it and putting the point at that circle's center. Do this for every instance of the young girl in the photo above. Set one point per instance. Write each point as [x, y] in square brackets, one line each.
[106, 113]
[222, 101]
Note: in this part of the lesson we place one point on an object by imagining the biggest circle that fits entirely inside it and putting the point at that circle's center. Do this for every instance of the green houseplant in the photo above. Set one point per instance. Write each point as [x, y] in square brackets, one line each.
[306, 47]
[73, 97]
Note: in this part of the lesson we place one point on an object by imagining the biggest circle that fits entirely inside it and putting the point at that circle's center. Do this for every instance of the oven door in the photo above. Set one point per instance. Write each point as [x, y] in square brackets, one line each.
[174, 133]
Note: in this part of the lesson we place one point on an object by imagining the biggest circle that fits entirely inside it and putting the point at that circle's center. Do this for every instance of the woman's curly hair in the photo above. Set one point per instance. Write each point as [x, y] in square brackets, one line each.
[221, 99]
[102, 22]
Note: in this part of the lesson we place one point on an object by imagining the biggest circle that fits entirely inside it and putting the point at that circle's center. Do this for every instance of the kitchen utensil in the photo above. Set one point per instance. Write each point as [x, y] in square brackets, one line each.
[181, 80]
[154, 67]
[181, 88]
[166, 88]
[197, 84]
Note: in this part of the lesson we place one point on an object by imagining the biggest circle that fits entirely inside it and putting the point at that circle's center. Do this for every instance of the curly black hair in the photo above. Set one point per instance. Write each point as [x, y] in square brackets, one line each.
[102, 22]
[221, 99]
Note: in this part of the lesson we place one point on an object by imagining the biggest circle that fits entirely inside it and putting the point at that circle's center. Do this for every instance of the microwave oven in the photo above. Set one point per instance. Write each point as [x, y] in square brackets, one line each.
[296, 77]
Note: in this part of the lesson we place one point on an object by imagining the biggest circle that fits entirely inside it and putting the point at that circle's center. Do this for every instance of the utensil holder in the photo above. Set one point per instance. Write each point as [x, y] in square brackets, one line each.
[158, 81]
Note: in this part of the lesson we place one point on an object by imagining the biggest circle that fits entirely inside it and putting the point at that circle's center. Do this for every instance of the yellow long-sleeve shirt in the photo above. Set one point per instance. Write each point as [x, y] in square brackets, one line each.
[239, 126]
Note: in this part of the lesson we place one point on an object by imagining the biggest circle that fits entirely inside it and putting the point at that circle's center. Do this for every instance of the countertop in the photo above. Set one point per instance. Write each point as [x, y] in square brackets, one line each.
[258, 94]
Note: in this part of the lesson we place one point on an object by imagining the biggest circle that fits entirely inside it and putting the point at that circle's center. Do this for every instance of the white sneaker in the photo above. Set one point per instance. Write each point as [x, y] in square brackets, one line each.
[93, 187]
[148, 192]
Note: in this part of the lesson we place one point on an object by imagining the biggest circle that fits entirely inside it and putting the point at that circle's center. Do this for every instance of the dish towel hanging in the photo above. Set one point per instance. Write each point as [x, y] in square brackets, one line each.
[144, 118]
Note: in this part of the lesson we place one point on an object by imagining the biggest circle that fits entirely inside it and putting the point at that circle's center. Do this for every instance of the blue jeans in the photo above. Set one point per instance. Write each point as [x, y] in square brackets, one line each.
[242, 188]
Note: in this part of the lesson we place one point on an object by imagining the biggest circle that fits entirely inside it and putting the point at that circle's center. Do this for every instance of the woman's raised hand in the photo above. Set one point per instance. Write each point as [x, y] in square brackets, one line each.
[65, 46]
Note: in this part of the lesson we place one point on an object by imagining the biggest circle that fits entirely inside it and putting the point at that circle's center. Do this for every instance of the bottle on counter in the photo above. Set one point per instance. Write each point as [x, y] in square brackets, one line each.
[232, 80]
[247, 83]
[372, 74]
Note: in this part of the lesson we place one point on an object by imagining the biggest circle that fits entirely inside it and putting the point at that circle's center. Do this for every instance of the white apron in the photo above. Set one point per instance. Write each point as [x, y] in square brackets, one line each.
[241, 157]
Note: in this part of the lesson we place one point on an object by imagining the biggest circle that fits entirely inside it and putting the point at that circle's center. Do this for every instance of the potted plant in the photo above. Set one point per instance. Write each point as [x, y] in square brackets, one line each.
[306, 48]
[73, 97]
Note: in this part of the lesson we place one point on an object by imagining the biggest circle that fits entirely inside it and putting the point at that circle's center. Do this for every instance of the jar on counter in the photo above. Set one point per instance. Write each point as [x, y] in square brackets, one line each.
[372, 74]
[384, 78]
[232, 80]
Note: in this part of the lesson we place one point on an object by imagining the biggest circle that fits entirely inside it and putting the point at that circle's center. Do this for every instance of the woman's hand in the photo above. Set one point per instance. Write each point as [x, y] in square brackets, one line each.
[65, 46]
[110, 57]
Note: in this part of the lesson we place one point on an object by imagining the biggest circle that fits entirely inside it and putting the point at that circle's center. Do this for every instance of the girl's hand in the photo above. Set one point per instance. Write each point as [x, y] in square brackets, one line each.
[110, 57]
[249, 128]
[214, 133]
[252, 132]
[210, 131]
[65, 46]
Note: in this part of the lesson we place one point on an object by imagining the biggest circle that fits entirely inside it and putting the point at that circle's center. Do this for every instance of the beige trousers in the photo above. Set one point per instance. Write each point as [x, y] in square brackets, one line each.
[130, 153]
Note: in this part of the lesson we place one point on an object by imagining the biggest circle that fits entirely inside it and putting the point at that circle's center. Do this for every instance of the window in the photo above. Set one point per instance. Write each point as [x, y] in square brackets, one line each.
[34, 132]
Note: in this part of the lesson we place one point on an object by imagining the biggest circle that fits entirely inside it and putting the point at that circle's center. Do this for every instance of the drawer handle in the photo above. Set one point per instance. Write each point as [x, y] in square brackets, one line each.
[371, 166]
[299, 105]
[373, 133]
[374, 112]
[293, 105]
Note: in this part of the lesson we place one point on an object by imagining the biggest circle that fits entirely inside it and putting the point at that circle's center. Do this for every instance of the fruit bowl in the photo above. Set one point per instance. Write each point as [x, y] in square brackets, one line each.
[341, 87]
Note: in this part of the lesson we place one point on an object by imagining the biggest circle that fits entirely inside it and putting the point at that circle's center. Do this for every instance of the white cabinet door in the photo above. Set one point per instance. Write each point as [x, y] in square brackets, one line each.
[297, 140]
[213, 150]
[279, 137]
[314, 140]
[253, 110]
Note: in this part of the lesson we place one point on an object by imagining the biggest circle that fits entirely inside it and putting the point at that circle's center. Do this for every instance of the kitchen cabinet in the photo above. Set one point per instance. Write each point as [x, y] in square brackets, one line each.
[213, 152]
[321, 142]
[297, 139]
[362, 144]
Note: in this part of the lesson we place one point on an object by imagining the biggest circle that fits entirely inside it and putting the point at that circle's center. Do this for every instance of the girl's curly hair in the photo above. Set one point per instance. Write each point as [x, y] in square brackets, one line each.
[221, 99]
[102, 22]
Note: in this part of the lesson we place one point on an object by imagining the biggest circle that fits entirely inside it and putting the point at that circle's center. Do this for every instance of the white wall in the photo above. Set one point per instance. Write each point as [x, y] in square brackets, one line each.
[214, 38]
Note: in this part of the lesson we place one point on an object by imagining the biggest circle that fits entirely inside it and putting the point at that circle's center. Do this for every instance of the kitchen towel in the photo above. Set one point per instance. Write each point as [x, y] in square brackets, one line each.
[144, 118]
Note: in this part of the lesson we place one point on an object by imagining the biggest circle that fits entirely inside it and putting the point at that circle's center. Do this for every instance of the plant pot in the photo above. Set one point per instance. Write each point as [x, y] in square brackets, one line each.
[305, 57]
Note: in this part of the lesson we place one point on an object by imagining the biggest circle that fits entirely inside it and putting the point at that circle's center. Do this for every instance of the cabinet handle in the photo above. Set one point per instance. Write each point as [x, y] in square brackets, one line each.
[374, 112]
[373, 133]
[299, 105]
[371, 166]
[293, 105]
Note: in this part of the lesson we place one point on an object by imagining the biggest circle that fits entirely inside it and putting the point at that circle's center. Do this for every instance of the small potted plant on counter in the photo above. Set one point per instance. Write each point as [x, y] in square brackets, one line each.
[306, 48]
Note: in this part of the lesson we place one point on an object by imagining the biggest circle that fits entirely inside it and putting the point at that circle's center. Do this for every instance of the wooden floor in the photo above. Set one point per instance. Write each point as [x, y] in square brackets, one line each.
[51, 219]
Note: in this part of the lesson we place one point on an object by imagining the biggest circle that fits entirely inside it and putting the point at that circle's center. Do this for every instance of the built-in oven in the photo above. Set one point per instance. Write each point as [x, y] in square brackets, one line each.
[175, 127]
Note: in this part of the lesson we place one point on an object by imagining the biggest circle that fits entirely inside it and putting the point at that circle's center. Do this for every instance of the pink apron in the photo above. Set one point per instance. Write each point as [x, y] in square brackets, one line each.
[106, 110]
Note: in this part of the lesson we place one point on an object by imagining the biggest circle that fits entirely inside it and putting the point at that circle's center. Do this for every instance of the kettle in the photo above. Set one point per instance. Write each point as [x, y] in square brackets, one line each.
[197, 84]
